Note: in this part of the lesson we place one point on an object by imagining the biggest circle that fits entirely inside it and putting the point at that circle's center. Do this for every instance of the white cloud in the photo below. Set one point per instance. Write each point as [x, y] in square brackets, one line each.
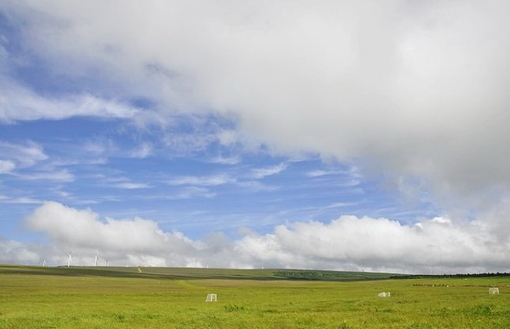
[416, 88]
[12, 252]
[367, 243]
[189, 143]
[213, 180]
[341, 204]
[120, 182]
[19, 200]
[257, 186]
[131, 185]
[194, 191]
[318, 173]
[226, 160]
[143, 151]
[6, 166]
[100, 147]
[25, 155]
[83, 229]
[57, 176]
[353, 171]
[195, 184]
[437, 245]
[268, 171]
[21, 104]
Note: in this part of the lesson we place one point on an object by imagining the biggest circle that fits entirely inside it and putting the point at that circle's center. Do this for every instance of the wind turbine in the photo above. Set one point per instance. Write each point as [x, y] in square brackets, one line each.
[95, 261]
[70, 258]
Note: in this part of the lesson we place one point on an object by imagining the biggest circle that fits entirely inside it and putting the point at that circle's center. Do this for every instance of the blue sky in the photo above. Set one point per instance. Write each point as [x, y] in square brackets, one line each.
[367, 136]
[122, 172]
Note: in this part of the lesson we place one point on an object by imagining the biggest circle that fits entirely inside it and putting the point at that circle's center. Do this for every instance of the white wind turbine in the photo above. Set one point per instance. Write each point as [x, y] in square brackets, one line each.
[70, 258]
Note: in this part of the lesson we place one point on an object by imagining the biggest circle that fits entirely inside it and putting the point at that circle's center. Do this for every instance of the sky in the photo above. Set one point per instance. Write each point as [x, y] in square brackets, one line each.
[347, 135]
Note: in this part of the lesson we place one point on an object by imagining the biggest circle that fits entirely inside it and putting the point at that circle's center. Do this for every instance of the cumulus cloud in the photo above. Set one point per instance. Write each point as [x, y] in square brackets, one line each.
[415, 87]
[437, 245]
[83, 229]
[13, 252]
[380, 244]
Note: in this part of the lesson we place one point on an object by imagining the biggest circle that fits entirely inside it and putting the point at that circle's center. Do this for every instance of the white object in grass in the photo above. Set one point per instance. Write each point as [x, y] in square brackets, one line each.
[211, 298]
[494, 291]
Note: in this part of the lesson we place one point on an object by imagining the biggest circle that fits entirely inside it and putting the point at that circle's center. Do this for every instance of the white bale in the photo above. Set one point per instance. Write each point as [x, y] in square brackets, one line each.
[494, 291]
[384, 294]
[211, 298]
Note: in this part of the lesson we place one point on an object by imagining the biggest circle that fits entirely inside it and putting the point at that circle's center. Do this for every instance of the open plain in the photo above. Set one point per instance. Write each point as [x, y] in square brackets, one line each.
[100, 297]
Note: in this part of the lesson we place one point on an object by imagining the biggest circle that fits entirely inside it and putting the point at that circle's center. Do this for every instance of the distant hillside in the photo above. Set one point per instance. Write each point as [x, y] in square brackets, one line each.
[196, 273]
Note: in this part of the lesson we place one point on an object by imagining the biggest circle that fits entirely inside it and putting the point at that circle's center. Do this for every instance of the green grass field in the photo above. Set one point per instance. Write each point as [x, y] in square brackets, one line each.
[37, 297]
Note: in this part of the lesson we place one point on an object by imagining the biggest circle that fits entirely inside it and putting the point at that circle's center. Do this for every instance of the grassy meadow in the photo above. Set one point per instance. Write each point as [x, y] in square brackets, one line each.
[37, 297]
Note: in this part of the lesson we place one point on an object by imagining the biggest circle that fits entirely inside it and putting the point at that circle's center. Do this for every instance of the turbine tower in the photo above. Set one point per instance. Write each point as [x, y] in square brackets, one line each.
[70, 258]
[97, 257]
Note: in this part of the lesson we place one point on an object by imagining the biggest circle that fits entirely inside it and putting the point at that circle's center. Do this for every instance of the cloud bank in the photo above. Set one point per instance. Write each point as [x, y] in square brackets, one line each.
[417, 89]
[412, 91]
[434, 245]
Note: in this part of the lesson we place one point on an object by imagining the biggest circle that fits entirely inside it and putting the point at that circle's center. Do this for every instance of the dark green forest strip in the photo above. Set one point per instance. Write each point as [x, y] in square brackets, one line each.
[317, 275]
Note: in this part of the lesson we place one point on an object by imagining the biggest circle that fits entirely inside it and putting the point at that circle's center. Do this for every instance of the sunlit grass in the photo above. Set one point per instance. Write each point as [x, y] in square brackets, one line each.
[54, 300]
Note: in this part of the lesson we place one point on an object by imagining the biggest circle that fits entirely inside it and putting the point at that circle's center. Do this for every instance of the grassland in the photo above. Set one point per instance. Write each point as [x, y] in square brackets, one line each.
[36, 297]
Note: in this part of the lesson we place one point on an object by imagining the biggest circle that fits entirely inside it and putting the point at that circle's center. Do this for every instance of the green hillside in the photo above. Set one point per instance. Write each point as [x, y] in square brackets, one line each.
[191, 273]
[138, 298]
